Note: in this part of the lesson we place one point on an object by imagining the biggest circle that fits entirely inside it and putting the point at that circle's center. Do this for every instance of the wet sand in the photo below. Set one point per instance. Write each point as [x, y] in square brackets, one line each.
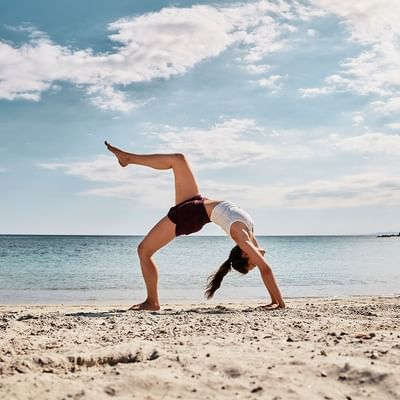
[315, 349]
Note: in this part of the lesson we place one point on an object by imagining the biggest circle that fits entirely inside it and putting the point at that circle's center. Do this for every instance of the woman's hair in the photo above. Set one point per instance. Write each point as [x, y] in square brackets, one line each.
[235, 261]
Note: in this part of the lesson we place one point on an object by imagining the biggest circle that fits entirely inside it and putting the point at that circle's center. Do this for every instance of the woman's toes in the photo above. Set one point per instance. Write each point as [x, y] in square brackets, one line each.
[121, 156]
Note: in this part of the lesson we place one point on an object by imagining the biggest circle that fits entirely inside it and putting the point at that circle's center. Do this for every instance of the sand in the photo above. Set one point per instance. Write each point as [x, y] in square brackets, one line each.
[315, 349]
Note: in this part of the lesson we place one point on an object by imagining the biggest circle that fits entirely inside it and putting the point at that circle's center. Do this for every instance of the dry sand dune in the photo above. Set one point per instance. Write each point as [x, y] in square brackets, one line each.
[314, 349]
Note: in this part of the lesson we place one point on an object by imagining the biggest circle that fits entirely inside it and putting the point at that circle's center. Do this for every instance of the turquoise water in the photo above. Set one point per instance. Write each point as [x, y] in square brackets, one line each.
[61, 269]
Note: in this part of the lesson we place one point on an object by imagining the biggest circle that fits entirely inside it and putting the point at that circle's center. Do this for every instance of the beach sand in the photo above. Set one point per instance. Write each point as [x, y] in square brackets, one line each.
[314, 349]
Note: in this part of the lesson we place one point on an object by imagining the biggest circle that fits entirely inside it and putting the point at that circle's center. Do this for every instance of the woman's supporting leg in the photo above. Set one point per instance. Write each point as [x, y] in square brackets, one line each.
[160, 235]
[185, 182]
[164, 231]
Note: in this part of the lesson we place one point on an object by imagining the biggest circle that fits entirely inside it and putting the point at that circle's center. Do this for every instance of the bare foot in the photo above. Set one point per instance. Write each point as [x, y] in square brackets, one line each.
[123, 158]
[144, 306]
[272, 306]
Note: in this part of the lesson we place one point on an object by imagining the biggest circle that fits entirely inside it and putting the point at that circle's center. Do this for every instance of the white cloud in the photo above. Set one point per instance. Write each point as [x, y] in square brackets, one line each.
[348, 191]
[312, 92]
[373, 24]
[140, 183]
[107, 98]
[366, 20]
[24, 27]
[154, 45]
[357, 118]
[244, 195]
[257, 68]
[273, 83]
[145, 192]
[102, 169]
[387, 107]
[368, 143]
[393, 125]
[311, 32]
[229, 143]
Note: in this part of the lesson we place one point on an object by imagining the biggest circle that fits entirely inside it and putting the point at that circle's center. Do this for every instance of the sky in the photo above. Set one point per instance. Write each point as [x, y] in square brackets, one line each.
[290, 109]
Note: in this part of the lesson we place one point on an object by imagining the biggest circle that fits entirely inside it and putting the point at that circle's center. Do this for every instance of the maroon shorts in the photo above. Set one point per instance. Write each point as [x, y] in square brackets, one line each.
[189, 216]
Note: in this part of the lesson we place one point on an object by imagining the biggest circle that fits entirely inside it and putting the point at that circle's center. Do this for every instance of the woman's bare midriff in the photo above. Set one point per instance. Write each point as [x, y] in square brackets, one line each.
[209, 205]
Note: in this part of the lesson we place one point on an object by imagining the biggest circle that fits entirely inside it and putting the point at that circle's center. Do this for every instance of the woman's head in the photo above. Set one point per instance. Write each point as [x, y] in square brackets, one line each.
[237, 260]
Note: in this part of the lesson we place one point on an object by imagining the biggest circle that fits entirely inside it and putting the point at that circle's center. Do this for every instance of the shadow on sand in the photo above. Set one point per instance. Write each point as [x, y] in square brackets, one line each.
[166, 311]
[98, 314]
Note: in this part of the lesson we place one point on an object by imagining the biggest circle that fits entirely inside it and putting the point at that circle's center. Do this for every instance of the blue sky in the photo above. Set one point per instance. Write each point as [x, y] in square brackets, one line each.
[289, 109]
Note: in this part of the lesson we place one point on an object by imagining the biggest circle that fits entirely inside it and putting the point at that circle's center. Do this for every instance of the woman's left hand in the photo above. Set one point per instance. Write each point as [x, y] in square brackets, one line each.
[261, 250]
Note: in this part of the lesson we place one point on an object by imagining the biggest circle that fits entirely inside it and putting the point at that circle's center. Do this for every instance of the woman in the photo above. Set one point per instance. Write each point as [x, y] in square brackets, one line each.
[190, 213]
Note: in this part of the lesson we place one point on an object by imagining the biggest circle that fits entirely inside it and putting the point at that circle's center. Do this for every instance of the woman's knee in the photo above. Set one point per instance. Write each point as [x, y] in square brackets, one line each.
[144, 251]
[180, 157]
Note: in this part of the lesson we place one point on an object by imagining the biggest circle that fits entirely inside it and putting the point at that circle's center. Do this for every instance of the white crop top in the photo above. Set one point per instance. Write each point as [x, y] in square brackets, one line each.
[225, 214]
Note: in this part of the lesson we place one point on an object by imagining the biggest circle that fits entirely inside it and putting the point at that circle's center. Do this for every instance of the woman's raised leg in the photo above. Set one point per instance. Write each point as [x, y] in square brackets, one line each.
[185, 182]
[159, 236]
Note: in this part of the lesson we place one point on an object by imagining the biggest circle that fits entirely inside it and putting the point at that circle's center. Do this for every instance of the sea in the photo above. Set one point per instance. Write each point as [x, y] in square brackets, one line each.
[106, 269]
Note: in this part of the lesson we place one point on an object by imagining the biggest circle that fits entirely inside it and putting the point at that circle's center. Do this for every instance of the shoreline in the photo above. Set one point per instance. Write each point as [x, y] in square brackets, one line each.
[193, 301]
[316, 348]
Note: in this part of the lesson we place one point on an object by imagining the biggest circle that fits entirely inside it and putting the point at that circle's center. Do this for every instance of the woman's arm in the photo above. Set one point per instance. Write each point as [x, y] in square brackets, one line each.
[260, 249]
[256, 258]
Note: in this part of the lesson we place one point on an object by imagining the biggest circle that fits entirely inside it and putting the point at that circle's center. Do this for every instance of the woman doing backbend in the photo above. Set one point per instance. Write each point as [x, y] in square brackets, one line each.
[190, 213]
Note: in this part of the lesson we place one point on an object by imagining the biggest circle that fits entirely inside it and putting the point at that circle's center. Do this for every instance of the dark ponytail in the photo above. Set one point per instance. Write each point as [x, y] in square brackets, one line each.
[235, 261]
[214, 281]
